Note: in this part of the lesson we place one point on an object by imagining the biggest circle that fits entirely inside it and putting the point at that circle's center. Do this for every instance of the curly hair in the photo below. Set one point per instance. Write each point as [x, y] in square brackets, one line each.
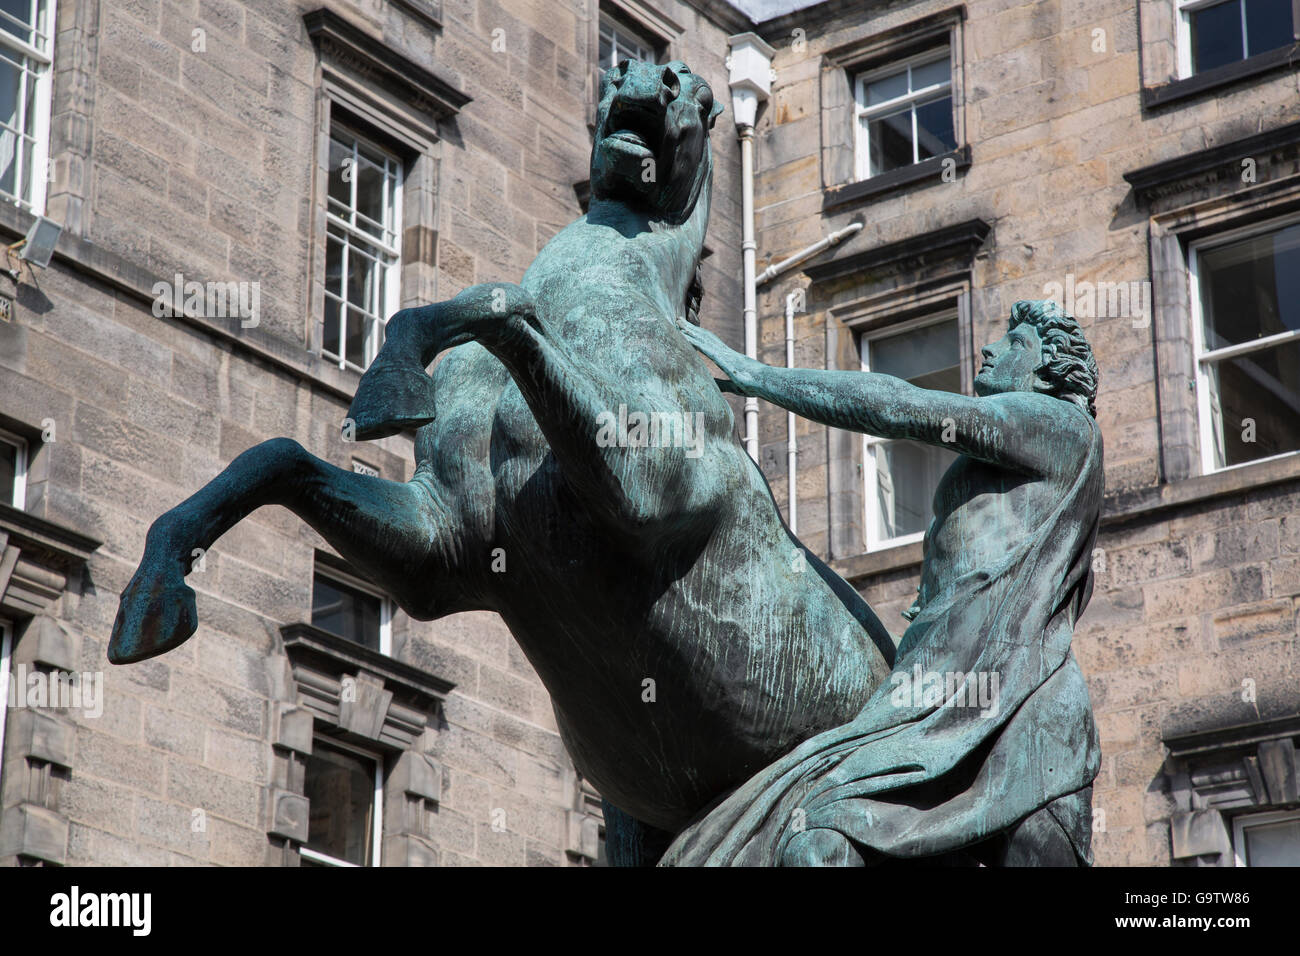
[1069, 371]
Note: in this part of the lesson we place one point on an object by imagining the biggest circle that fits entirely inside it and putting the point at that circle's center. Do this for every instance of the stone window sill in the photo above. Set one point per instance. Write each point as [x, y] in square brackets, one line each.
[1117, 508]
[1154, 97]
[929, 170]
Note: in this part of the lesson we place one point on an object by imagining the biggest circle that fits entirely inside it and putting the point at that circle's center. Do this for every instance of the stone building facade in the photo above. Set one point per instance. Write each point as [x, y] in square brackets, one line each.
[207, 141]
[210, 141]
[1097, 153]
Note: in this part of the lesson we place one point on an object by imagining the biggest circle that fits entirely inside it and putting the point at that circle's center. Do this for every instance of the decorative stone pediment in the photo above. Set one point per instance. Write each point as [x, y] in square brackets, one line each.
[1215, 773]
[1278, 149]
[350, 49]
[361, 691]
[955, 245]
[37, 560]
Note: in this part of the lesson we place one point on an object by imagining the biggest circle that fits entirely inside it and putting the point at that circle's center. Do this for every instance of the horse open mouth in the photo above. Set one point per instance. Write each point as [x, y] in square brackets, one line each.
[634, 128]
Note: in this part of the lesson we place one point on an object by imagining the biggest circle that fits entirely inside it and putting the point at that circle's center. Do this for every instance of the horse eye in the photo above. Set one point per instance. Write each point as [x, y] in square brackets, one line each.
[705, 96]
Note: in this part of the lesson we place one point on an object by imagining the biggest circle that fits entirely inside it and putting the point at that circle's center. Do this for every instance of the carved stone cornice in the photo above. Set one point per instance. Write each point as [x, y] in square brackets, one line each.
[350, 48]
[37, 558]
[1220, 163]
[957, 243]
[359, 690]
[1234, 769]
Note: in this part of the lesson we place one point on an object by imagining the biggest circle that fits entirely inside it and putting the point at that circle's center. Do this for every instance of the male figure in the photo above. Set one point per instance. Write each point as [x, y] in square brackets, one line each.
[1006, 573]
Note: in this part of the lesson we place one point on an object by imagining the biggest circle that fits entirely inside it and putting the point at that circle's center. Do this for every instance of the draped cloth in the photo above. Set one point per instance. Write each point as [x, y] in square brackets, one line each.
[916, 777]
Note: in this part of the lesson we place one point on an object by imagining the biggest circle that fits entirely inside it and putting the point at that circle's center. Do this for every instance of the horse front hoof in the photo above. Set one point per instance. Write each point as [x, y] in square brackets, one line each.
[390, 398]
[152, 618]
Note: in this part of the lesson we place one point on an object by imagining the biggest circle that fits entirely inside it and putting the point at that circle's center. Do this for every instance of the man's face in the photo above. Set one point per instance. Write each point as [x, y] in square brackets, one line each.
[1009, 363]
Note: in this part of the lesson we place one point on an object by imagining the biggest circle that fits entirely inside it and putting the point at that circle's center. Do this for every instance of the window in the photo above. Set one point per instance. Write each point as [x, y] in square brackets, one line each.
[904, 113]
[901, 475]
[1214, 33]
[1246, 321]
[345, 606]
[6, 653]
[1267, 839]
[344, 789]
[619, 43]
[362, 258]
[13, 470]
[26, 49]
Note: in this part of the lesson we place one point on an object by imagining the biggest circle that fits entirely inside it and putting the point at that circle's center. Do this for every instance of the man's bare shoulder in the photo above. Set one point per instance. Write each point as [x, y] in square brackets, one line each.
[1062, 431]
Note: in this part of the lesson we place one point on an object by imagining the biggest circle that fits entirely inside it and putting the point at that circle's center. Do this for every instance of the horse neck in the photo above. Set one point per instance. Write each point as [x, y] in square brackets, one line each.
[673, 249]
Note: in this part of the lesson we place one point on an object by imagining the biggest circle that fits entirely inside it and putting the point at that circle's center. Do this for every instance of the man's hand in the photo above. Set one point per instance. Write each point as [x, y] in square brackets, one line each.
[738, 368]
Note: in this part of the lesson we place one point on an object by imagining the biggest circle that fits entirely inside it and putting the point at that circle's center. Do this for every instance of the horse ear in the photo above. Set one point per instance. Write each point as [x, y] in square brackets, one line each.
[714, 113]
[606, 78]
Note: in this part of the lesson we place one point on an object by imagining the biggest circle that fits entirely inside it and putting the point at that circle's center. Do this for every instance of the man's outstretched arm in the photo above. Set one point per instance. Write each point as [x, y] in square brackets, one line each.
[1027, 431]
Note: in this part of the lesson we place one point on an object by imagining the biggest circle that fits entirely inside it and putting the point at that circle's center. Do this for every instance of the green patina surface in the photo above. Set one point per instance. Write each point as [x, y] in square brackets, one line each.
[705, 670]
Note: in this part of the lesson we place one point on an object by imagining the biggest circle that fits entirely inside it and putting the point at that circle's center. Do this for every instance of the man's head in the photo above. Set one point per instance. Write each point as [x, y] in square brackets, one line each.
[1043, 351]
[652, 136]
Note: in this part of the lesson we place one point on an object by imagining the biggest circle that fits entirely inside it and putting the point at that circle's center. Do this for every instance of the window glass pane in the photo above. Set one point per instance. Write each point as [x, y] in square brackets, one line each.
[1216, 36]
[355, 343]
[890, 137]
[1251, 288]
[340, 786]
[920, 356]
[358, 269]
[907, 474]
[1273, 844]
[931, 73]
[606, 50]
[8, 471]
[934, 132]
[1255, 403]
[345, 611]
[334, 261]
[8, 162]
[340, 187]
[21, 11]
[887, 88]
[1268, 25]
[372, 194]
[11, 78]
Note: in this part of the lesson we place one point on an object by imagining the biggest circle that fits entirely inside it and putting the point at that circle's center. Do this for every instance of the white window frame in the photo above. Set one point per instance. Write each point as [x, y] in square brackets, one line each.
[393, 269]
[20, 468]
[6, 669]
[43, 59]
[1245, 822]
[871, 479]
[377, 818]
[386, 604]
[622, 37]
[862, 114]
[1202, 357]
[1184, 11]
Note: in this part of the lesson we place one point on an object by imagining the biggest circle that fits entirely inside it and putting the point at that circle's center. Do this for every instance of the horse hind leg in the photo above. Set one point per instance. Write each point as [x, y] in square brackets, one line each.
[391, 531]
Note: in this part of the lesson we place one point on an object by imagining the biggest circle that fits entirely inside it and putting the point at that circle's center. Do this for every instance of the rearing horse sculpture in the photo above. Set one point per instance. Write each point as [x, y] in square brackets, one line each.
[630, 557]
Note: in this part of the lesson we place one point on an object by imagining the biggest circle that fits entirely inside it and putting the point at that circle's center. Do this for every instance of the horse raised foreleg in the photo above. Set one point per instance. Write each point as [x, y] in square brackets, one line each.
[391, 531]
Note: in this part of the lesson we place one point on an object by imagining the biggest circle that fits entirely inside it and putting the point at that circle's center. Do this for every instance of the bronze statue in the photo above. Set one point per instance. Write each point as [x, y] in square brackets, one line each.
[579, 476]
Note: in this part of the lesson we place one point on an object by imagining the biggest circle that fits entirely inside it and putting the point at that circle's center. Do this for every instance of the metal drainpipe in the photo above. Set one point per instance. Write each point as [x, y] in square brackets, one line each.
[748, 249]
[749, 74]
[771, 272]
[791, 440]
